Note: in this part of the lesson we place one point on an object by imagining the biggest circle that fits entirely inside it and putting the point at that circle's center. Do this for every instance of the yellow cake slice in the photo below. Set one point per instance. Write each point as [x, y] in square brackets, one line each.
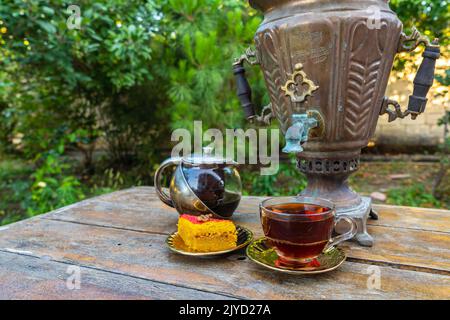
[206, 234]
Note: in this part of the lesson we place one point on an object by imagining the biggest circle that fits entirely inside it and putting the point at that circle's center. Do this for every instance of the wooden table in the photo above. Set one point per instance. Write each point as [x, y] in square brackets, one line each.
[117, 243]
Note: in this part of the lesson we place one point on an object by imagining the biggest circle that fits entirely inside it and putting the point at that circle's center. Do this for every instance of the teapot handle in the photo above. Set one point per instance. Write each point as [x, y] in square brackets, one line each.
[158, 174]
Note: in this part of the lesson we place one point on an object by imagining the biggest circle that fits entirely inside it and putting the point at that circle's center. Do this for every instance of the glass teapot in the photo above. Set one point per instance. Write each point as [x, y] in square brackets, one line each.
[201, 184]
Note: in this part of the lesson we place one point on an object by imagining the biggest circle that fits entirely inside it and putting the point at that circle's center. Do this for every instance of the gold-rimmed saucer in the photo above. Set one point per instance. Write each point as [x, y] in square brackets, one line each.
[261, 252]
[176, 244]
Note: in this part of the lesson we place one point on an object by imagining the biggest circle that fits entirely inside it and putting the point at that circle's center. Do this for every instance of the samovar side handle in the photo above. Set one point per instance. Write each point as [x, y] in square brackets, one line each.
[422, 82]
[244, 91]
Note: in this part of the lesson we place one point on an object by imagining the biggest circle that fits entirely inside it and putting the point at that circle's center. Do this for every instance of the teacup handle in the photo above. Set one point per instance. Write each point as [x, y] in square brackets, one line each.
[158, 175]
[342, 237]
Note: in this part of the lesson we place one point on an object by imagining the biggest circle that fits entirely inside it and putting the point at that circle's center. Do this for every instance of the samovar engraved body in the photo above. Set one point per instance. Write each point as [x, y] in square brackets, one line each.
[326, 66]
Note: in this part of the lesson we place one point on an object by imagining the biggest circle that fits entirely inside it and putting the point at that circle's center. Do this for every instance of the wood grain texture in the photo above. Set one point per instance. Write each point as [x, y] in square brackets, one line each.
[119, 241]
[145, 255]
[143, 201]
[420, 242]
[27, 277]
[412, 218]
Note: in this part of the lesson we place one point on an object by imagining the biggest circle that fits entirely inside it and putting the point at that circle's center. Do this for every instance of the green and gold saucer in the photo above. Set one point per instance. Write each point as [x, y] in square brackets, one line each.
[176, 244]
[261, 252]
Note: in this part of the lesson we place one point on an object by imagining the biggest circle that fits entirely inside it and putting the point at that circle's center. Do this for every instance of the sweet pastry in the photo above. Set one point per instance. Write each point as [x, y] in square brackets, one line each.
[207, 234]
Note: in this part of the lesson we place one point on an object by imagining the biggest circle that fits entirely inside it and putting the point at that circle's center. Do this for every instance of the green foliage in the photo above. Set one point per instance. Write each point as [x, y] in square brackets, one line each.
[205, 37]
[134, 71]
[110, 51]
[429, 16]
[415, 196]
[441, 186]
[52, 187]
[444, 79]
[78, 80]
[288, 181]
[111, 180]
[14, 189]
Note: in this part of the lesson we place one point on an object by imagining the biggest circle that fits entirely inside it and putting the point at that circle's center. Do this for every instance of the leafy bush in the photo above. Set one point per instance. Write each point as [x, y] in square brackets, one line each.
[52, 186]
[132, 73]
[14, 189]
[428, 16]
[415, 196]
[79, 80]
[288, 181]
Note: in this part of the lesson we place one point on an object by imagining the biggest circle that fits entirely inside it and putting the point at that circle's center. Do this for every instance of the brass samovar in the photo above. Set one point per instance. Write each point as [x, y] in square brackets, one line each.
[326, 66]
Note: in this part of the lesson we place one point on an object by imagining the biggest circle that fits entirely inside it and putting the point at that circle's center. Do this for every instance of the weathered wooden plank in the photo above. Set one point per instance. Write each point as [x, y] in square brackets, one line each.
[403, 246]
[143, 200]
[26, 277]
[145, 255]
[413, 218]
[406, 247]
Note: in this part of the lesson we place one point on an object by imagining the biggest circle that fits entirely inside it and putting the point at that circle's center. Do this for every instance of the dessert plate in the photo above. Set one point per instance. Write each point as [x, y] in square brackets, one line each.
[261, 252]
[176, 244]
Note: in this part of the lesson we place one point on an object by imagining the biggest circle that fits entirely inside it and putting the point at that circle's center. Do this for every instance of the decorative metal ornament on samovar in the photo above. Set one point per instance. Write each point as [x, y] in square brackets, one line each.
[326, 66]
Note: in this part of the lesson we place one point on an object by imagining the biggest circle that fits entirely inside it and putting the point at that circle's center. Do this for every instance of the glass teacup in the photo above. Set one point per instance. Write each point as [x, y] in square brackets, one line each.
[301, 228]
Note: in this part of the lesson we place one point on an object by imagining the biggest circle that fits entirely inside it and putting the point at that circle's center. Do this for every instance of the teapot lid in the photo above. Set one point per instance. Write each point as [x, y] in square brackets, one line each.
[207, 158]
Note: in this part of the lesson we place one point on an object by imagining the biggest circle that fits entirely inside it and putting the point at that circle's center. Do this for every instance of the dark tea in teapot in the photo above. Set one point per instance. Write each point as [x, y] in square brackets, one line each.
[201, 184]
[210, 187]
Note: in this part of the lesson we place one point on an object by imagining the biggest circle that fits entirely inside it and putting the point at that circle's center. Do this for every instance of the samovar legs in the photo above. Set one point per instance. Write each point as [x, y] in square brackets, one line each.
[360, 214]
[373, 214]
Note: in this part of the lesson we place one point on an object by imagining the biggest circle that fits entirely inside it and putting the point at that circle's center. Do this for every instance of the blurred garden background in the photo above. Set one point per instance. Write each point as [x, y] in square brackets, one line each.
[89, 111]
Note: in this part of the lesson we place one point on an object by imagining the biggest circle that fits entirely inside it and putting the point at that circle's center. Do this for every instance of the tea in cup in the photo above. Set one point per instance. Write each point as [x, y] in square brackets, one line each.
[301, 228]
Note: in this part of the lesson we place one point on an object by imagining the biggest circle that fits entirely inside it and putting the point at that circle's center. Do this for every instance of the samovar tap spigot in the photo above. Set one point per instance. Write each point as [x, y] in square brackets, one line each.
[298, 87]
[298, 132]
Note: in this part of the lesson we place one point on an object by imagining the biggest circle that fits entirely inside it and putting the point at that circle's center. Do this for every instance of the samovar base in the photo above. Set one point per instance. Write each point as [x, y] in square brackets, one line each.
[360, 213]
[327, 178]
